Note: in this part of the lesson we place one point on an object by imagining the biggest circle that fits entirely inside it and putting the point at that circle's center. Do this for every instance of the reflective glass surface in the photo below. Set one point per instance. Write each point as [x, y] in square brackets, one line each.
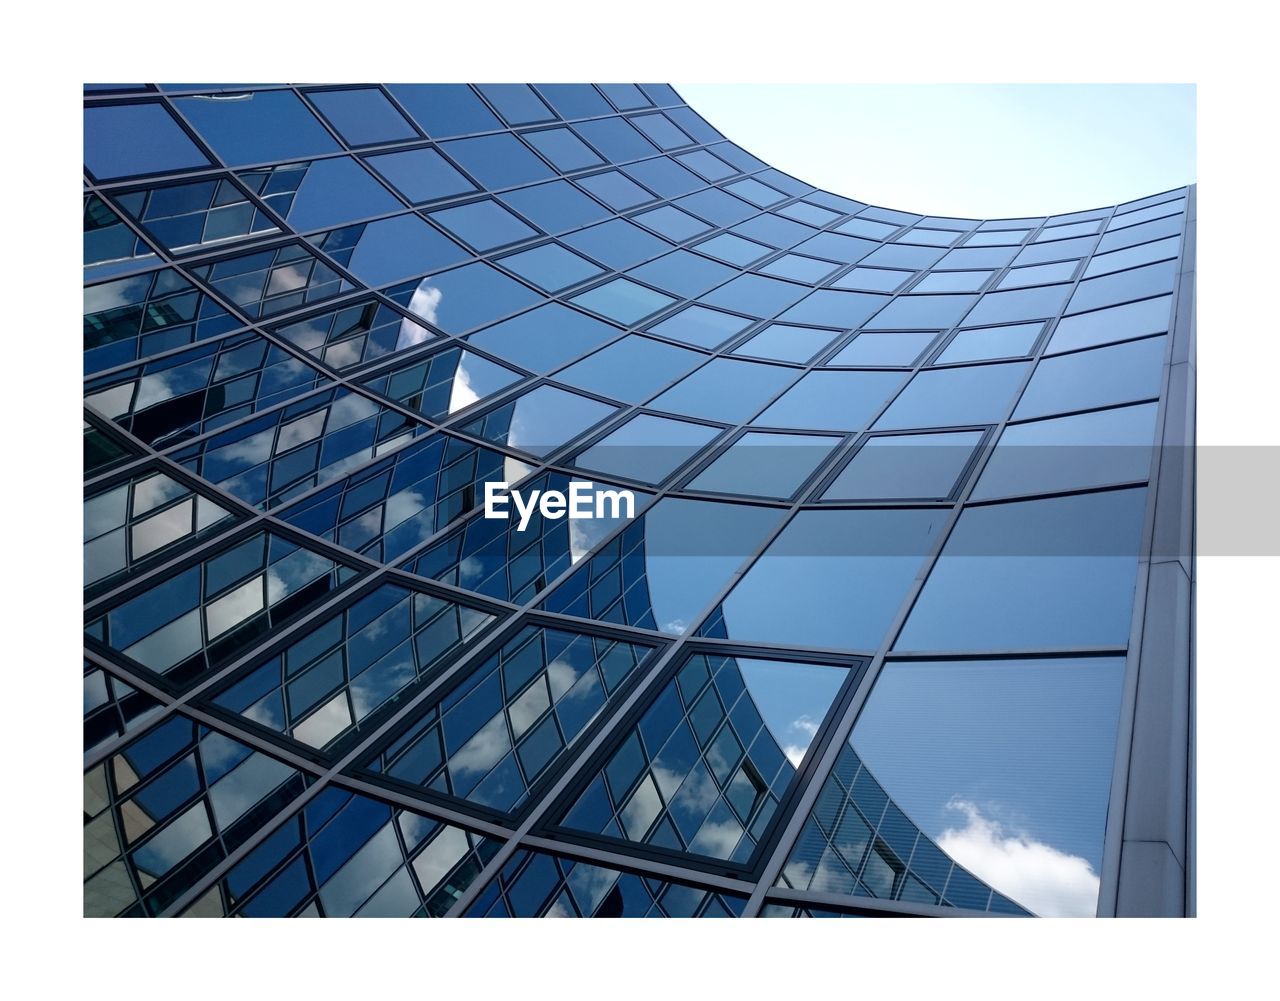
[832, 579]
[1006, 765]
[1033, 575]
[494, 492]
[705, 767]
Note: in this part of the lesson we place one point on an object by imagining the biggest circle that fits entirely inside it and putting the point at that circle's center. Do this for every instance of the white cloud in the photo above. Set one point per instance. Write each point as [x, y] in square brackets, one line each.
[804, 728]
[426, 303]
[1038, 876]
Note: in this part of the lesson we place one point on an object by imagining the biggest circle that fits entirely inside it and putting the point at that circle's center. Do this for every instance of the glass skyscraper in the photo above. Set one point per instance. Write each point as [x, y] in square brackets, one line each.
[900, 621]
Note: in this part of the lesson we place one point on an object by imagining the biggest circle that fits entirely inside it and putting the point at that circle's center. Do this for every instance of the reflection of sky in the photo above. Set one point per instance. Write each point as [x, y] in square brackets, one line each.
[1028, 745]
[691, 550]
[792, 699]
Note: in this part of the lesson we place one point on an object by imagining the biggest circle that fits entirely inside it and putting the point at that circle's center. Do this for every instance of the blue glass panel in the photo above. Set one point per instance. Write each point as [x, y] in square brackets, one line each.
[1033, 575]
[120, 141]
[256, 127]
[363, 115]
[832, 579]
[500, 161]
[421, 175]
[544, 338]
[445, 109]
[632, 369]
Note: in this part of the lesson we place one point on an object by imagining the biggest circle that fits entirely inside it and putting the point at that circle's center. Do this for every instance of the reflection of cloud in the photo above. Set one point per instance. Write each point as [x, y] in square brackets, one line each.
[482, 751]
[561, 675]
[1036, 875]
[795, 754]
[425, 302]
[410, 332]
[802, 731]
[717, 838]
[462, 395]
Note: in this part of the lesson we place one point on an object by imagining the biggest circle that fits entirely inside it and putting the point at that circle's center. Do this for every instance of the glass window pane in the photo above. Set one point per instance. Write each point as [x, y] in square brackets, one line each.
[683, 274]
[616, 190]
[829, 308]
[646, 448]
[873, 279]
[782, 342]
[765, 465]
[555, 207]
[1022, 304]
[363, 116]
[388, 250]
[563, 149]
[725, 390]
[319, 193]
[831, 579]
[623, 300]
[832, 401]
[631, 369]
[551, 267]
[701, 327]
[953, 281]
[516, 102]
[617, 244]
[900, 349]
[1033, 575]
[756, 295]
[1117, 323]
[667, 565]
[1006, 765]
[445, 109]
[1014, 341]
[541, 420]
[256, 127]
[483, 225]
[619, 143]
[672, 223]
[905, 467]
[1070, 453]
[734, 249]
[124, 140]
[574, 100]
[421, 175]
[954, 397]
[1122, 373]
[545, 337]
[500, 161]
[800, 269]
[457, 301]
[1123, 286]
[705, 767]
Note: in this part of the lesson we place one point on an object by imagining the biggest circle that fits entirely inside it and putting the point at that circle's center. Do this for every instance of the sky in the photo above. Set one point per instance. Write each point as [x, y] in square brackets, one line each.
[971, 150]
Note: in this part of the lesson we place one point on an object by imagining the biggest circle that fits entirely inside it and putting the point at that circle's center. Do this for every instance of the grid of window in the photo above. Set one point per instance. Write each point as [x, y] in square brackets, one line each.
[319, 321]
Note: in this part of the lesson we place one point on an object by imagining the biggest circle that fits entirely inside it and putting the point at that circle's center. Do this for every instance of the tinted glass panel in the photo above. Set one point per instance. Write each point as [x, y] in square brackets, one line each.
[258, 126]
[136, 139]
[905, 467]
[1033, 575]
[1007, 764]
[765, 465]
[1119, 374]
[956, 396]
[725, 390]
[632, 369]
[1068, 453]
[832, 579]
[832, 401]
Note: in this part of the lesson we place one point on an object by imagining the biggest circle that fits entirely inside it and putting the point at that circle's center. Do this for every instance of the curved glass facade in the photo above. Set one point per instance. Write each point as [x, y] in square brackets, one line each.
[894, 621]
